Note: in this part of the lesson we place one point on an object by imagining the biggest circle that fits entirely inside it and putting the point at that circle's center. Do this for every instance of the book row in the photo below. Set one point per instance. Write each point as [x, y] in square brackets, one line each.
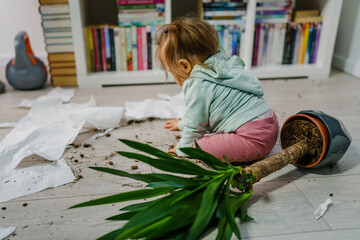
[141, 13]
[224, 10]
[113, 48]
[292, 43]
[231, 39]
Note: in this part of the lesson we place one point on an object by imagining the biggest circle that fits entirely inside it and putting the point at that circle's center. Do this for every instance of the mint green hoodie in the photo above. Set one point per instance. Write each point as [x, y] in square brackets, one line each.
[219, 98]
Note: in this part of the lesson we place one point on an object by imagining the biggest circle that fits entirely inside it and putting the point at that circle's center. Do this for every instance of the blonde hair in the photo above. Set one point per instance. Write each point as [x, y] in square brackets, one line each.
[185, 38]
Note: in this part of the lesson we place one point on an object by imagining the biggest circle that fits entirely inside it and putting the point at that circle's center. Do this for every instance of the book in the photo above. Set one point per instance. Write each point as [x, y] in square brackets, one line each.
[90, 56]
[134, 48]
[256, 45]
[306, 13]
[224, 13]
[103, 50]
[270, 44]
[265, 46]
[297, 44]
[308, 46]
[62, 34]
[242, 41]
[63, 71]
[55, 16]
[307, 19]
[136, 11]
[224, 4]
[141, 6]
[234, 41]
[148, 46]
[106, 33]
[135, 16]
[61, 57]
[261, 44]
[153, 46]
[275, 45]
[62, 64]
[97, 58]
[112, 50]
[117, 48]
[134, 2]
[54, 9]
[51, 41]
[317, 40]
[301, 43]
[129, 58]
[64, 80]
[306, 38]
[282, 38]
[144, 48]
[60, 48]
[52, 1]
[312, 45]
[124, 64]
[59, 23]
[139, 48]
[292, 43]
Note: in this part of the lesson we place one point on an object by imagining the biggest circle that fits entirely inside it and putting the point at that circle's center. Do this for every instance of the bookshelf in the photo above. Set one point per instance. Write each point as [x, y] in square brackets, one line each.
[87, 12]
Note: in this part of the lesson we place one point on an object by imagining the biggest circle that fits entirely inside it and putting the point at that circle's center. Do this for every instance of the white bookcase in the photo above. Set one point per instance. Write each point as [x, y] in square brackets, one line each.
[330, 12]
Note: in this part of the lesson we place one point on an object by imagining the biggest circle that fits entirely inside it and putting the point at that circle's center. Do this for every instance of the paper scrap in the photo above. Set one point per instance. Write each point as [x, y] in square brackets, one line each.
[5, 232]
[46, 131]
[320, 211]
[56, 95]
[96, 136]
[8, 125]
[168, 107]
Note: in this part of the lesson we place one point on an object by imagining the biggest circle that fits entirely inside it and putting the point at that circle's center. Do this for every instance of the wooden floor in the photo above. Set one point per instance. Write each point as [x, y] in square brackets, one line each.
[282, 204]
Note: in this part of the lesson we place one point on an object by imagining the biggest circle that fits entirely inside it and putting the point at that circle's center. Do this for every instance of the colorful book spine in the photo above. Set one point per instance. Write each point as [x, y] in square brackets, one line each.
[148, 46]
[107, 48]
[129, 58]
[153, 46]
[139, 48]
[135, 2]
[308, 46]
[297, 43]
[306, 38]
[265, 47]
[235, 44]
[301, 44]
[117, 48]
[256, 45]
[91, 58]
[134, 48]
[112, 49]
[141, 6]
[317, 40]
[96, 50]
[103, 50]
[123, 49]
[144, 48]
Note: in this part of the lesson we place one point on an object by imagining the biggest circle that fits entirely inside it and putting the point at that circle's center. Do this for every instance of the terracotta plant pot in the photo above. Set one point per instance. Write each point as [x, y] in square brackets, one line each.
[335, 138]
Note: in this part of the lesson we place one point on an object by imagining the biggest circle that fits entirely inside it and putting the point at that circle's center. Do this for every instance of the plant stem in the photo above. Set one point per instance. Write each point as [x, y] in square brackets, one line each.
[274, 163]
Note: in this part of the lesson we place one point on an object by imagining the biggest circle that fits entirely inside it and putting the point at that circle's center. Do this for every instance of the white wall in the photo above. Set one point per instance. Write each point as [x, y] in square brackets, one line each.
[16, 16]
[347, 47]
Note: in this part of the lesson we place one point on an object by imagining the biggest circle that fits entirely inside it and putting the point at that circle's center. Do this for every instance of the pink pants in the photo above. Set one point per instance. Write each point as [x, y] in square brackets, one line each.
[251, 141]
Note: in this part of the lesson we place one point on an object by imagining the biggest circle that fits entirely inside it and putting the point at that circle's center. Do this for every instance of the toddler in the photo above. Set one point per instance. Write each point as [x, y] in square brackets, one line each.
[225, 110]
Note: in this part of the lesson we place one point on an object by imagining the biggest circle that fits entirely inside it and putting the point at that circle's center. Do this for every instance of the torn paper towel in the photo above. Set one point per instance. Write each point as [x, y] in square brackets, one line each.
[46, 131]
[169, 107]
[5, 232]
[7, 125]
[56, 95]
[320, 211]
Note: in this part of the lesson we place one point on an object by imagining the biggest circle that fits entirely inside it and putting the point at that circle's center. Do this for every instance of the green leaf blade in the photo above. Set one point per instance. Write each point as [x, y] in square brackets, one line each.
[126, 196]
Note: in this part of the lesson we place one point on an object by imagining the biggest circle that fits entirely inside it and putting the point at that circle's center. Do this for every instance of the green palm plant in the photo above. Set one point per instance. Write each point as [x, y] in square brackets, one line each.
[190, 206]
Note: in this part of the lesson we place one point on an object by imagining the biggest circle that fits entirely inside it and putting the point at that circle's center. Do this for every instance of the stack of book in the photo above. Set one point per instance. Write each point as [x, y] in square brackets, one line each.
[288, 42]
[141, 12]
[228, 18]
[273, 11]
[56, 23]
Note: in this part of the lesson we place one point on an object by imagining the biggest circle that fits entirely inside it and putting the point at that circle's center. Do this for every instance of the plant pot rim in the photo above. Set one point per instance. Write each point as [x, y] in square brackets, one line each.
[323, 131]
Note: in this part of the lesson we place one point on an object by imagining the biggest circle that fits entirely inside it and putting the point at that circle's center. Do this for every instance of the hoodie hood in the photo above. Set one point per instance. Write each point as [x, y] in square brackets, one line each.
[228, 71]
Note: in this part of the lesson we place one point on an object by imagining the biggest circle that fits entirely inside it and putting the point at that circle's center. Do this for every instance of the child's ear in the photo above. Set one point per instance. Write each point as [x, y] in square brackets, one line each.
[185, 66]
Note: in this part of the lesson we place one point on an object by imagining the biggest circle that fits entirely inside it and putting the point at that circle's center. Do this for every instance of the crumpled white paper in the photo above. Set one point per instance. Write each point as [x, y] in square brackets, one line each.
[320, 211]
[46, 131]
[55, 95]
[5, 232]
[168, 107]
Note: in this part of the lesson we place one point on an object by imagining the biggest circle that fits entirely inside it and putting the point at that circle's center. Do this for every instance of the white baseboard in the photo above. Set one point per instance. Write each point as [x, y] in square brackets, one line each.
[5, 59]
[347, 65]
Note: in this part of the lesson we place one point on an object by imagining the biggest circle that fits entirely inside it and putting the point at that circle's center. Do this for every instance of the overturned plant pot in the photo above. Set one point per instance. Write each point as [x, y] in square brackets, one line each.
[326, 137]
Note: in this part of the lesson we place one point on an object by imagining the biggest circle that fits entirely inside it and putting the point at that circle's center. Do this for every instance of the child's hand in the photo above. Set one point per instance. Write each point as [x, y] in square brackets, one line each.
[172, 125]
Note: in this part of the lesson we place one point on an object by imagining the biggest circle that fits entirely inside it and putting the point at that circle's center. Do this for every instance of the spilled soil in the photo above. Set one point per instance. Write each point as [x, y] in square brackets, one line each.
[298, 130]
